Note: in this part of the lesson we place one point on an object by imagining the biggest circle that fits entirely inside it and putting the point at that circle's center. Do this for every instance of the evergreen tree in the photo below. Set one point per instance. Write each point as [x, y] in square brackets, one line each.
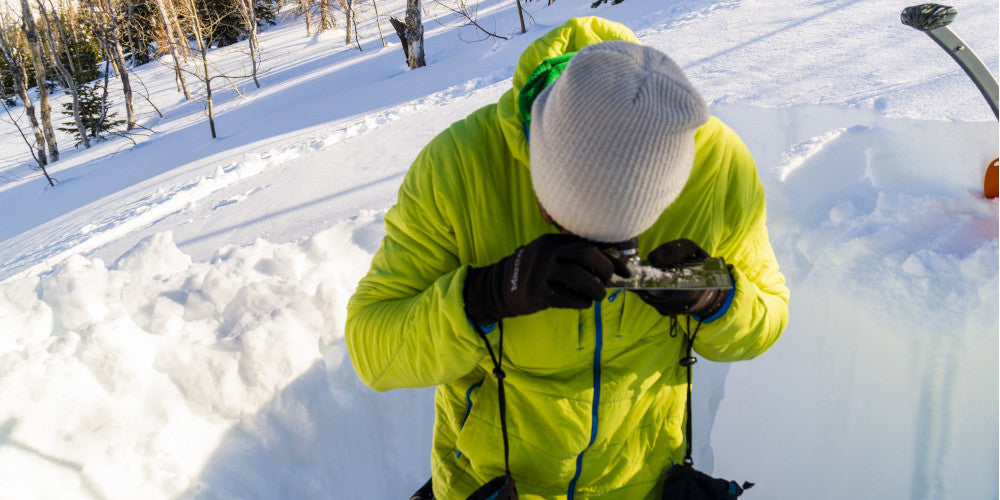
[97, 118]
[223, 25]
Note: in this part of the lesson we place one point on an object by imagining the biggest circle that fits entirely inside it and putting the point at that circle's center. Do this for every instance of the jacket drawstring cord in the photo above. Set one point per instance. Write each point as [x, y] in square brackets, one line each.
[499, 374]
[687, 362]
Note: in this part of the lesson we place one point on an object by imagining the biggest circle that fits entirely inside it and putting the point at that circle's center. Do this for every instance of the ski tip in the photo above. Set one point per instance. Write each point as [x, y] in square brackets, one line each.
[928, 16]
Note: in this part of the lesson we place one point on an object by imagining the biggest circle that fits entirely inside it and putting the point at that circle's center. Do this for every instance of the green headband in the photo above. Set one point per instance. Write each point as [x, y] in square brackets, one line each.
[542, 77]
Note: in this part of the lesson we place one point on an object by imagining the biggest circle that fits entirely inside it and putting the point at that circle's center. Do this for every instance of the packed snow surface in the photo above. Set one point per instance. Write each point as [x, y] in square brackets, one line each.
[172, 312]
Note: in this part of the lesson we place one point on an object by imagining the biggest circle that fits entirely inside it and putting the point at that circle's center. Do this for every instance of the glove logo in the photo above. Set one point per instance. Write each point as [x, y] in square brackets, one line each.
[517, 269]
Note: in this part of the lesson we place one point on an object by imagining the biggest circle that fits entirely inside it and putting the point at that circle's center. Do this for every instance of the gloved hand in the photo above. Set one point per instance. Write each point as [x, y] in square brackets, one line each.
[554, 270]
[701, 303]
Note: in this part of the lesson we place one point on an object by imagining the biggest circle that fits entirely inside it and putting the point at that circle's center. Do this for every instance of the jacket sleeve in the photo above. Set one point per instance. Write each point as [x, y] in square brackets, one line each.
[758, 312]
[406, 322]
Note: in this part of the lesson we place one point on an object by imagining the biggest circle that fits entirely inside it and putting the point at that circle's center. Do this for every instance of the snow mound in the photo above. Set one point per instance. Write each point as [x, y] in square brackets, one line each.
[125, 378]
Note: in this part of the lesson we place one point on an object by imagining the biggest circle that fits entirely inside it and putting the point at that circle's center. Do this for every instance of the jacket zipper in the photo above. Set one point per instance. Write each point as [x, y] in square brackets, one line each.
[599, 331]
[468, 409]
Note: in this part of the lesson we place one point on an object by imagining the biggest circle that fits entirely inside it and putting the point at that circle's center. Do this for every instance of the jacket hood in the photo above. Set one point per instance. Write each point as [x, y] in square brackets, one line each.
[575, 34]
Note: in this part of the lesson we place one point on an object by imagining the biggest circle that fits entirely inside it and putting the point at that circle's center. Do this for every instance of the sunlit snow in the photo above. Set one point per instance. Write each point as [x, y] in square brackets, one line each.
[172, 312]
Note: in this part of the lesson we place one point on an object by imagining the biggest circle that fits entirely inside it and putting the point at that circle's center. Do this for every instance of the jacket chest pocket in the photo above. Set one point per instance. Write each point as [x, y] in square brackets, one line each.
[565, 340]
[549, 342]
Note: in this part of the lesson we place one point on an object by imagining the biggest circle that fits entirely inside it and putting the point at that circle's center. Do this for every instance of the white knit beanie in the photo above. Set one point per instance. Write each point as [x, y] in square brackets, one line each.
[612, 140]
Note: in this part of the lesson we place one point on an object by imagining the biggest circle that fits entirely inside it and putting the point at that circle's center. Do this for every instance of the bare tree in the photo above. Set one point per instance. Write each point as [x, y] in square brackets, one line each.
[205, 77]
[67, 36]
[326, 19]
[118, 59]
[41, 165]
[20, 77]
[182, 44]
[129, 25]
[168, 18]
[348, 6]
[304, 7]
[250, 17]
[520, 15]
[64, 74]
[463, 10]
[44, 106]
[378, 23]
[201, 21]
[106, 28]
[104, 95]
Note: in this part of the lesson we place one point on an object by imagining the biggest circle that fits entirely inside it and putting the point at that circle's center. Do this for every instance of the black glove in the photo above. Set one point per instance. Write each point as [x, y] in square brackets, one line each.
[701, 303]
[554, 270]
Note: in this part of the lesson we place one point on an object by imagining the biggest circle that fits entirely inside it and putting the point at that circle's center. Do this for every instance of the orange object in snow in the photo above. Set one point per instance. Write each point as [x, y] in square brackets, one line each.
[990, 186]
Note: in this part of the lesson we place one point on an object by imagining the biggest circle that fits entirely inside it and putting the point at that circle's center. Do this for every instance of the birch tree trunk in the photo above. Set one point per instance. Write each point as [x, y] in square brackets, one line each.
[251, 17]
[20, 76]
[44, 106]
[66, 77]
[114, 45]
[130, 7]
[104, 100]
[205, 77]
[378, 23]
[414, 35]
[326, 19]
[520, 15]
[304, 7]
[348, 6]
[182, 43]
[69, 37]
[168, 28]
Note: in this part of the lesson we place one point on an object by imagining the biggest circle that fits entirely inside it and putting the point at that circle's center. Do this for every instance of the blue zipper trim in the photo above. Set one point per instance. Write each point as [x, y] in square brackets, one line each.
[485, 328]
[468, 402]
[725, 305]
[599, 330]
[468, 410]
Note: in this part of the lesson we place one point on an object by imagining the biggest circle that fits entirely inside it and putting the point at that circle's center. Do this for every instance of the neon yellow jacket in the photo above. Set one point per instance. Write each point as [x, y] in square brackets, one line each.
[595, 397]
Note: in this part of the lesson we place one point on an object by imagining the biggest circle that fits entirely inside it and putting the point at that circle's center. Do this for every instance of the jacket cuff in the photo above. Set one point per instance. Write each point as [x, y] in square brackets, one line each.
[480, 328]
[725, 305]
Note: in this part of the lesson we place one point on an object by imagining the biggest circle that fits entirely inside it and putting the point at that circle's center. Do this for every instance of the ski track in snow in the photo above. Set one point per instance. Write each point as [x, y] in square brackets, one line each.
[682, 14]
[800, 153]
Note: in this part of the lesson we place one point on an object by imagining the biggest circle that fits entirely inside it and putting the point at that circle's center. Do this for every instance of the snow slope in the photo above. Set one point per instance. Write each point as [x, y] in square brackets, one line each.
[172, 312]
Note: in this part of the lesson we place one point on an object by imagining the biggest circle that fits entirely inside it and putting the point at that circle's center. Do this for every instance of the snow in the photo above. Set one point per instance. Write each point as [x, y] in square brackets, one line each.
[173, 311]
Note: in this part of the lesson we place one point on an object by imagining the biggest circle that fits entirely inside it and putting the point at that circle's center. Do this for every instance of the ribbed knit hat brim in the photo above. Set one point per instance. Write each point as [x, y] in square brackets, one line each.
[612, 140]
